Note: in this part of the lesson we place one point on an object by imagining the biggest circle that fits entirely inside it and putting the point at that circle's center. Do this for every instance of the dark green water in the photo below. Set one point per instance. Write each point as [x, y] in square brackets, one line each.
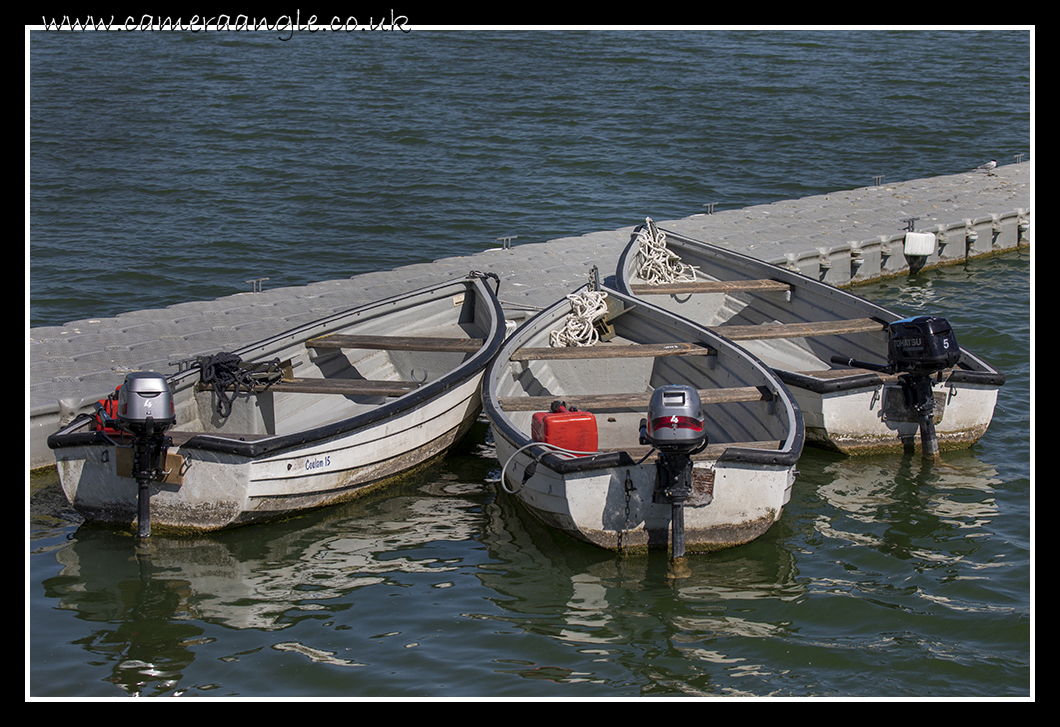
[887, 576]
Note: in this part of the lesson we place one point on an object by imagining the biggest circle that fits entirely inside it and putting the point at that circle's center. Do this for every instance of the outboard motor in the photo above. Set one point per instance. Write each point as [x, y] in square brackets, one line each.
[675, 426]
[145, 404]
[675, 420]
[917, 348]
[145, 410]
[923, 345]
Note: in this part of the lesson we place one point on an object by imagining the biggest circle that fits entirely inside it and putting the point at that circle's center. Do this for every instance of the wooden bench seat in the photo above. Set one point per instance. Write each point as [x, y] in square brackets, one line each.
[711, 286]
[397, 343]
[831, 374]
[642, 350]
[800, 330]
[602, 402]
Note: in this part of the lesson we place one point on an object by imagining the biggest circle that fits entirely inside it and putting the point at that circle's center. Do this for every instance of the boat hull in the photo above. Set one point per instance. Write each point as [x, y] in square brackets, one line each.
[291, 459]
[741, 481]
[873, 419]
[615, 507]
[846, 409]
[218, 490]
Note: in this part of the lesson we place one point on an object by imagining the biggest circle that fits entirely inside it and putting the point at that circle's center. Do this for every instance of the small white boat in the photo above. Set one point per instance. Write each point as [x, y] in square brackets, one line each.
[836, 351]
[326, 410]
[586, 467]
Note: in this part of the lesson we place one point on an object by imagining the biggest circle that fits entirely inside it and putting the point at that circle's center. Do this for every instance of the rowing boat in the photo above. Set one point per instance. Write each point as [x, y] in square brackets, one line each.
[833, 349]
[566, 419]
[303, 419]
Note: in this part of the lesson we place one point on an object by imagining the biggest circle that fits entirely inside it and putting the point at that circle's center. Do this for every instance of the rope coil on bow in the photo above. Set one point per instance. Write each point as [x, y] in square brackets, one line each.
[224, 371]
[586, 308]
[656, 263]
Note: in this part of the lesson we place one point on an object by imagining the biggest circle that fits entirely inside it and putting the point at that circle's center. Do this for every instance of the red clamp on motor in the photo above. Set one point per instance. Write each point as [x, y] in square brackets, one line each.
[567, 428]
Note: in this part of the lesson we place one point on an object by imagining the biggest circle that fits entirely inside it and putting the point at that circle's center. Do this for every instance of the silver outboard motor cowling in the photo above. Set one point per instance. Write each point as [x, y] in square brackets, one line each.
[145, 403]
[676, 420]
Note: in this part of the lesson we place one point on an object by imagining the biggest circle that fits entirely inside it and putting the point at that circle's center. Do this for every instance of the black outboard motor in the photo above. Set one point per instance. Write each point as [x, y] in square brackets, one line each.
[922, 345]
[675, 426]
[917, 349]
[145, 410]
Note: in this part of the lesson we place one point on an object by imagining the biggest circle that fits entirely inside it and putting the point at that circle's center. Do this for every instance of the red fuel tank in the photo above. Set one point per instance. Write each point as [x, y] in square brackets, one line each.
[567, 428]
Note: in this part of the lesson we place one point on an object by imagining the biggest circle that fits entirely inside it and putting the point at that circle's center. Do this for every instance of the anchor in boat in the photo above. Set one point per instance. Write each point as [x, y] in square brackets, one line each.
[918, 349]
[145, 411]
[675, 427]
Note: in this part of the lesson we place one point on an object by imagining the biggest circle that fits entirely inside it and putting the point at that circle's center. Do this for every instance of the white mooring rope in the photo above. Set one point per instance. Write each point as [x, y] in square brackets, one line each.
[657, 264]
[585, 309]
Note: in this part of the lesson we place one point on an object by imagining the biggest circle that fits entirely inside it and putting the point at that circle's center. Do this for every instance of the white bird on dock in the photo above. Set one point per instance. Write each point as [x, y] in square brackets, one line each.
[986, 167]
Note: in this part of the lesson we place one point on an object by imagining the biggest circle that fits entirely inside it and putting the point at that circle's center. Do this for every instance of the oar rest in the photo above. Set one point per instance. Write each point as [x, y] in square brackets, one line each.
[604, 402]
[397, 343]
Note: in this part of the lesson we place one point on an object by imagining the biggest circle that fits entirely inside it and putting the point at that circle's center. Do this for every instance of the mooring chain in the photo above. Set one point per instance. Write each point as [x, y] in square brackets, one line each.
[657, 263]
[586, 308]
[224, 370]
[629, 487]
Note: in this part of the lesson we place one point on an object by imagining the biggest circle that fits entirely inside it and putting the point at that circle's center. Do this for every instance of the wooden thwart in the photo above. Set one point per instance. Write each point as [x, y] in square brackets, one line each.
[649, 350]
[600, 402]
[800, 330]
[830, 374]
[711, 286]
[397, 343]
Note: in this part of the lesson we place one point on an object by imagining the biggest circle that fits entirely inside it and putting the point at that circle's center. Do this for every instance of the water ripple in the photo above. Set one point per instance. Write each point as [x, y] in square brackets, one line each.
[165, 141]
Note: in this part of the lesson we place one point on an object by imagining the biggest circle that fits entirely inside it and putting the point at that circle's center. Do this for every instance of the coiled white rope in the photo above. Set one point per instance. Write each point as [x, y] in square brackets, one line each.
[585, 309]
[656, 263]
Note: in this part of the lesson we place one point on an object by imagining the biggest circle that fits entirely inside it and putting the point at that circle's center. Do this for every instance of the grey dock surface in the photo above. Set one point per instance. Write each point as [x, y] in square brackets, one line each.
[842, 237]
